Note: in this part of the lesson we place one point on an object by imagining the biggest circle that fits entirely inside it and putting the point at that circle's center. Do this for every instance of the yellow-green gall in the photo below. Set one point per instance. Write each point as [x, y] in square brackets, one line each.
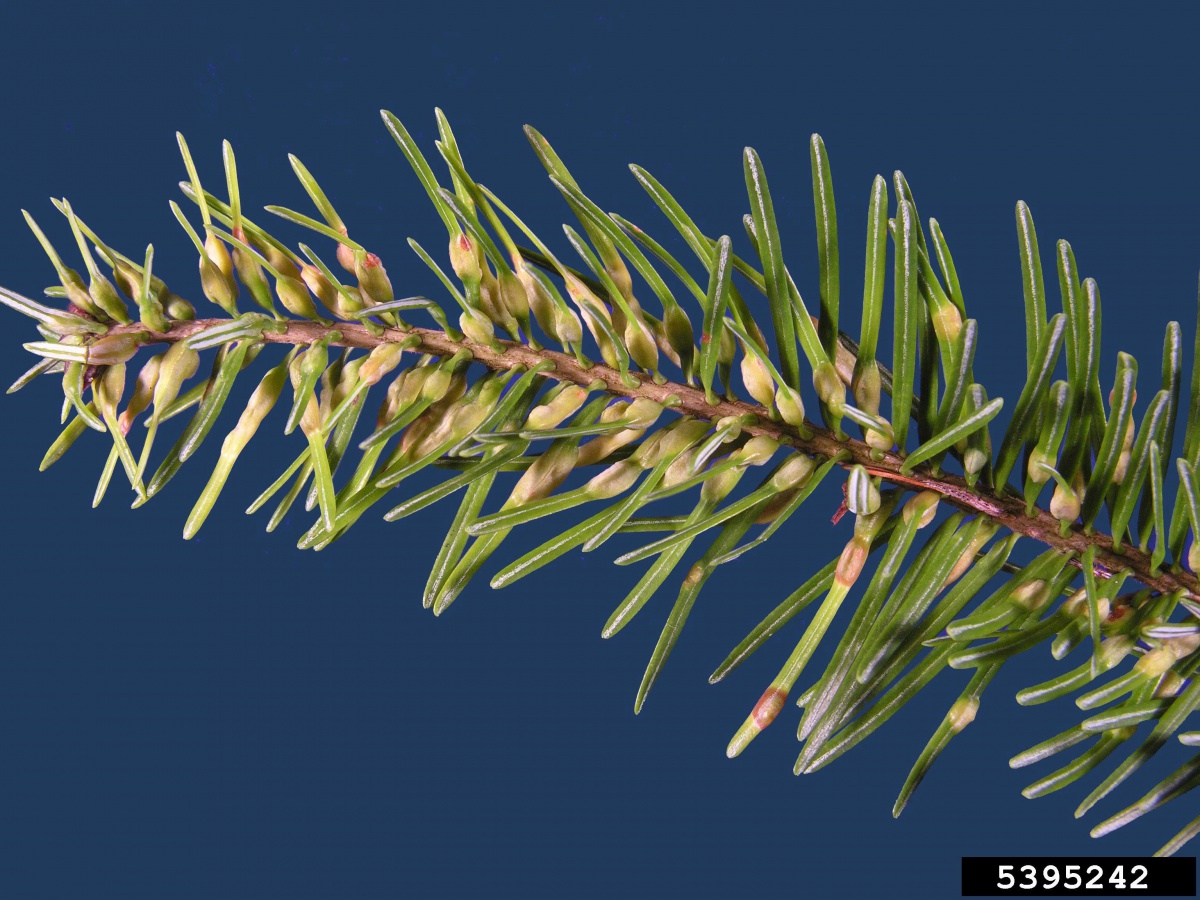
[616, 479]
[217, 253]
[681, 469]
[1039, 466]
[477, 327]
[322, 288]
[829, 387]
[513, 294]
[602, 446]
[790, 406]
[345, 253]
[924, 505]
[983, 533]
[757, 379]
[1156, 662]
[372, 278]
[464, 260]
[105, 296]
[794, 473]
[680, 337]
[643, 412]
[1065, 504]
[547, 472]
[675, 440]
[867, 387]
[108, 388]
[280, 261]
[565, 403]
[1032, 595]
[974, 460]
[882, 438]
[850, 563]
[718, 486]
[947, 322]
[640, 344]
[143, 393]
[295, 298]
[1169, 686]
[112, 349]
[757, 451]
[962, 713]
[568, 328]
[382, 360]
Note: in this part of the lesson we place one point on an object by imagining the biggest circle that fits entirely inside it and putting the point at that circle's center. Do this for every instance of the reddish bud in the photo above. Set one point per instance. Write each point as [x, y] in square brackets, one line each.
[463, 258]
[768, 707]
[372, 278]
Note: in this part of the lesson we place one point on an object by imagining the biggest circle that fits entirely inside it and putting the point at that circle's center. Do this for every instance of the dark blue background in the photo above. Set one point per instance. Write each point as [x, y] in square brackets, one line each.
[231, 717]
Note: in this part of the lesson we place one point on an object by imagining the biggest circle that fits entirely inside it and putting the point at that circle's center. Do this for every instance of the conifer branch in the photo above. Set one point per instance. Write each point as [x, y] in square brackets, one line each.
[1008, 511]
[913, 618]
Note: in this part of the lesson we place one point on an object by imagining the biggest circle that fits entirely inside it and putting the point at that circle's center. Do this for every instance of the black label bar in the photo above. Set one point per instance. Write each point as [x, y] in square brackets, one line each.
[1078, 876]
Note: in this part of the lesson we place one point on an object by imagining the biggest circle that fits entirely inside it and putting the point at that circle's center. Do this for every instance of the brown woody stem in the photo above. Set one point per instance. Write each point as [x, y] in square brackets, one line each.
[1009, 511]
